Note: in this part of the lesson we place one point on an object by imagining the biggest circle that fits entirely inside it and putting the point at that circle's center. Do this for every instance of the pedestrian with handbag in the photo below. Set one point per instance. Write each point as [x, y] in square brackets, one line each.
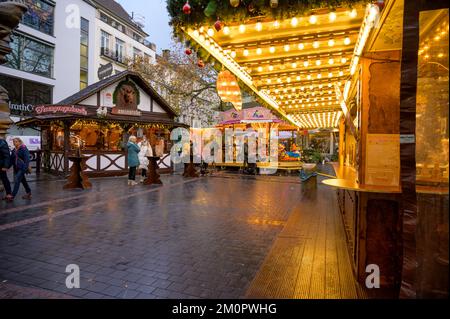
[20, 158]
[133, 160]
[146, 150]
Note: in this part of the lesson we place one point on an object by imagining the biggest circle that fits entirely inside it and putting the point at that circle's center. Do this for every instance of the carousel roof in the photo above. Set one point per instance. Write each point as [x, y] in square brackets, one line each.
[293, 58]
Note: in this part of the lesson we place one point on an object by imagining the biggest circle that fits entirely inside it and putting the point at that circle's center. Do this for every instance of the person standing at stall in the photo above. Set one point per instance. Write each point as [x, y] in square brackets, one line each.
[133, 159]
[146, 150]
[5, 164]
[20, 158]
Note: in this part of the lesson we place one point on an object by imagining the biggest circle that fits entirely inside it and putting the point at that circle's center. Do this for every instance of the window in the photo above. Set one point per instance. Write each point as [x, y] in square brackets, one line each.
[30, 55]
[40, 16]
[136, 53]
[84, 53]
[24, 95]
[119, 50]
[432, 127]
[105, 42]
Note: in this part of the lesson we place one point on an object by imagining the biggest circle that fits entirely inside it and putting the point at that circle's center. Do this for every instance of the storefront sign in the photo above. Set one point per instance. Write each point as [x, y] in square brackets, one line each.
[22, 109]
[64, 109]
[116, 111]
[105, 71]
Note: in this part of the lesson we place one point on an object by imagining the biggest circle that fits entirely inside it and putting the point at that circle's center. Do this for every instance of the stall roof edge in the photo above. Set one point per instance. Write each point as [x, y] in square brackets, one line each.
[98, 86]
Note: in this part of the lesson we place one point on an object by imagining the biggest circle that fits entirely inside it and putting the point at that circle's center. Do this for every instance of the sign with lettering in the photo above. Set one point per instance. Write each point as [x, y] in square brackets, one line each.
[21, 109]
[105, 71]
[60, 109]
[126, 98]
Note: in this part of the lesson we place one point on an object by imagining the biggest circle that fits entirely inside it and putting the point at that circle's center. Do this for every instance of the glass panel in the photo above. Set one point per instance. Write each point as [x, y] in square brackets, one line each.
[36, 93]
[83, 76]
[84, 38]
[84, 62]
[84, 25]
[40, 16]
[83, 50]
[30, 56]
[432, 158]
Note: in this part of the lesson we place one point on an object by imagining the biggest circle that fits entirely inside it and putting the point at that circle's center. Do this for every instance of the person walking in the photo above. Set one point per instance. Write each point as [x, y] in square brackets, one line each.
[133, 160]
[5, 164]
[20, 158]
[146, 150]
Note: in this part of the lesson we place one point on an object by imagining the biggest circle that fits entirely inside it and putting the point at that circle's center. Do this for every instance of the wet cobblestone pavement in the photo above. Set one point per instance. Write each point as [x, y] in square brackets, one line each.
[201, 238]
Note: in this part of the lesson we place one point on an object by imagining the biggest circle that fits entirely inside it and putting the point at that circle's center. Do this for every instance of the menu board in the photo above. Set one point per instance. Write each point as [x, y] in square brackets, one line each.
[383, 160]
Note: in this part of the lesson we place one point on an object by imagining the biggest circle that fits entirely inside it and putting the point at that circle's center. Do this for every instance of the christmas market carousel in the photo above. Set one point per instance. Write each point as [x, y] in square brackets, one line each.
[97, 121]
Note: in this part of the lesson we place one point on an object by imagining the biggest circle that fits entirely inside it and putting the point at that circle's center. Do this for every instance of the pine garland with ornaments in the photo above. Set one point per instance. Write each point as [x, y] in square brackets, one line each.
[193, 13]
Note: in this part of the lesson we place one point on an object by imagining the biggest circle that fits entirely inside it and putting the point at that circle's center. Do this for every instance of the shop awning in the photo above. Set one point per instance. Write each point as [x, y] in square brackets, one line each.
[291, 57]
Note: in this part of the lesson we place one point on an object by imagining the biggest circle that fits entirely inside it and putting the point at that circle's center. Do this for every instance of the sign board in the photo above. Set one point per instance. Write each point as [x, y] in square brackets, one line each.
[21, 109]
[383, 160]
[60, 109]
[107, 99]
[105, 71]
[33, 143]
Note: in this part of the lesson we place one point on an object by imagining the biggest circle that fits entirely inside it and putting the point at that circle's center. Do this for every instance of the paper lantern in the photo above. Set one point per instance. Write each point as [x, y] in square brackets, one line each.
[229, 90]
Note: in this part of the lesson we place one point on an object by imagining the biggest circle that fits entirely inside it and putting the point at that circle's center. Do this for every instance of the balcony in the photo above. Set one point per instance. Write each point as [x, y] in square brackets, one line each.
[113, 55]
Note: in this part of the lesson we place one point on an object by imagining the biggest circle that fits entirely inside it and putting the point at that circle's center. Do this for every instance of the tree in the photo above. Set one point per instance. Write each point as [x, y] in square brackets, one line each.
[188, 88]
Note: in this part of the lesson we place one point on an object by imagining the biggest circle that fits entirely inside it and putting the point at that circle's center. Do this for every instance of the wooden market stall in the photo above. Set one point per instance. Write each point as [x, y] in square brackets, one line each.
[98, 120]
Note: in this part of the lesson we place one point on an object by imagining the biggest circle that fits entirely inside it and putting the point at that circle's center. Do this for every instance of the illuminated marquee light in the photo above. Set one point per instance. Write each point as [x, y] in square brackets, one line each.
[370, 20]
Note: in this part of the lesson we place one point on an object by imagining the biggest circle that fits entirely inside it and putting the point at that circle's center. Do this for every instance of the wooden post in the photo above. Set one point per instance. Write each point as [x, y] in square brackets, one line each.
[66, 146]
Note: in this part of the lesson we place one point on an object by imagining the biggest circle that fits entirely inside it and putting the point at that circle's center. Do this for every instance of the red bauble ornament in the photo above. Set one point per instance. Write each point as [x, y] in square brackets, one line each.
[218, 25]
[188, 51]
[187, 8]
[201, 64]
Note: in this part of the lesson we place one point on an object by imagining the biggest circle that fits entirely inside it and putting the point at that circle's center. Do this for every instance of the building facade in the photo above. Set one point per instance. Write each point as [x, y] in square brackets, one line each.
[63, 46]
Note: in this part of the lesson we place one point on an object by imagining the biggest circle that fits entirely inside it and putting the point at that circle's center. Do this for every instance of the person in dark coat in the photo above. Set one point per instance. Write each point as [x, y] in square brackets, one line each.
[20, 158]
[133, 160]
[5, 164]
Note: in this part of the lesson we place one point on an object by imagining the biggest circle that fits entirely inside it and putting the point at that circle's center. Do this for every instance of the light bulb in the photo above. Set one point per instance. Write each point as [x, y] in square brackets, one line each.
[210, 32]
[196, 33]
[344, 60]
[330, 61]
[330, 42]
[242, 28]
[318, 62]
[276, 24]
[294, 22]
[226, 30]
[233, 54]
[260, 69]
[309, 77]
[287, 47]
[347, 41]
[258, 51]
[313, 19]
[305, 64]
[272, 50]
[353, 14]
[258, 26]
[294, 65]
[270, 67]
[245, 53]
[341, 73]
[301, 46]
[316, 44]
[332, 16]
[319, 76]
[330, 75]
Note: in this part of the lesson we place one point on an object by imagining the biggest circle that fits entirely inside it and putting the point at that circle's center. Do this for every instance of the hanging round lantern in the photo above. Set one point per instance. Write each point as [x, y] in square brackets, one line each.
[274, 4]
[229, 90]
[218, 25]
[201, 64]
[188, 51]
[187, 8]
[234, 3]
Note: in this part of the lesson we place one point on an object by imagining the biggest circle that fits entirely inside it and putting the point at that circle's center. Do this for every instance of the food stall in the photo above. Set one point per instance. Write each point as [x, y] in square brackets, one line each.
[98, 121]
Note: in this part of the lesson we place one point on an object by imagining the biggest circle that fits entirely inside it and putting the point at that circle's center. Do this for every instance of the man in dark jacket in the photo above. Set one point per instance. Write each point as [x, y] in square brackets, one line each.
[5, 164]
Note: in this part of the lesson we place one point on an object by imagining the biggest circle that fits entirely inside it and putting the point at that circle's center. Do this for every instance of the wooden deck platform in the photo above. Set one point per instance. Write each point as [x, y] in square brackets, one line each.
[309, 258]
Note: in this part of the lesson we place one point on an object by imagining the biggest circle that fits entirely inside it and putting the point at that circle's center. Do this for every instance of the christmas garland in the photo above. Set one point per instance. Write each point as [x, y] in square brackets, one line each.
[194, 13]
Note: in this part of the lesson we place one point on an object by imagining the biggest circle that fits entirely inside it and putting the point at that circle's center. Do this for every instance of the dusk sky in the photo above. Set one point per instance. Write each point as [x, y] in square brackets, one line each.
[156, 20]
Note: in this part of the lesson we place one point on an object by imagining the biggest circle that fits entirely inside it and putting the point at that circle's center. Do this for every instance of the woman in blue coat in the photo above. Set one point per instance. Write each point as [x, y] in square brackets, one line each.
[133, 160]
[20, 159]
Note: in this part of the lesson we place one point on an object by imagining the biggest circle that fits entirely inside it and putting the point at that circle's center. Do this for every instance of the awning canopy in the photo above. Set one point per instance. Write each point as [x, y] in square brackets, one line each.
[291, 62]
